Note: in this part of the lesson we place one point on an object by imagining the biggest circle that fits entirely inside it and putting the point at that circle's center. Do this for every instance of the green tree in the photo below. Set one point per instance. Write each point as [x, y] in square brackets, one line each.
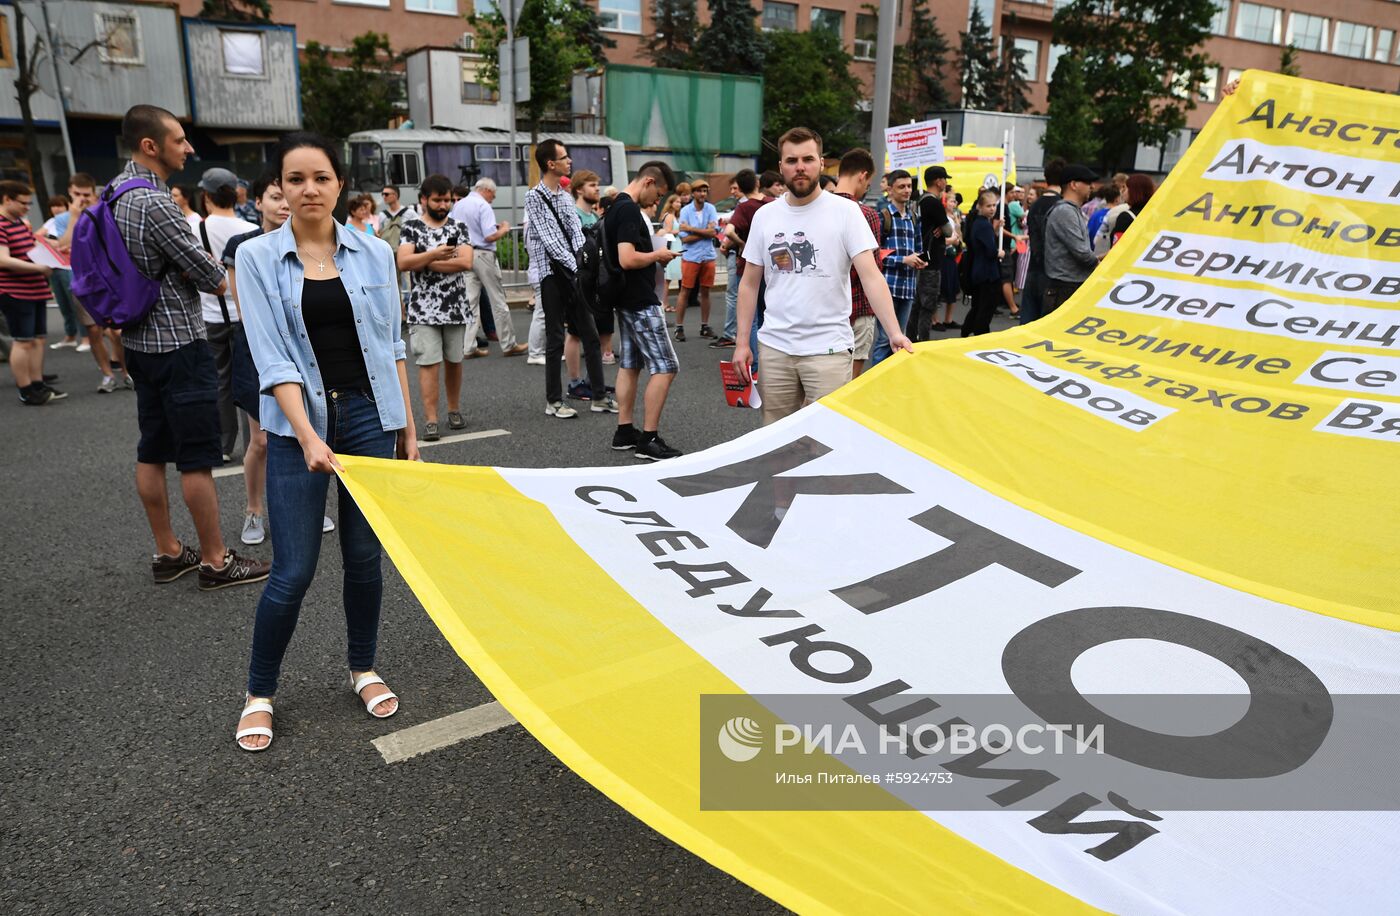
[1069, 132]
[1011, 86]
[1134, 53]
[565, 35]
[673, 42]
[732, 42]
[977, 55]
[237, 10]
[807, 82]
[358, 90]
[1288, 61]
[918, 67]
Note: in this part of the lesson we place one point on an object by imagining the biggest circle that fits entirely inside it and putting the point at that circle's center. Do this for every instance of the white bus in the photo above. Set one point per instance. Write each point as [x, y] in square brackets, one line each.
[405, 157]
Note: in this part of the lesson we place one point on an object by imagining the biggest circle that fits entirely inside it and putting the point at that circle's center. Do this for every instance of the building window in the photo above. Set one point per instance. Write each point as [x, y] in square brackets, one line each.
[383, 3]
[1259, 23]
[119, 38]
[1220, 22]
[1352, 40]
[243, 53]
[1308, 33]
[1030, 58]
[473, 92]
[1207, 88]
[431, 6]
[833, 21]
[484, 7]
[621, 15]
[1385, 42]
[1233, 75]
[867, 33]
[1052, 60]
[779, 17]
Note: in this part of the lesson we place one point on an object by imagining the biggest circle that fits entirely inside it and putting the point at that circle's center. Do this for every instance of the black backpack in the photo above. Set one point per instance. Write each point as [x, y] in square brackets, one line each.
[596, 274]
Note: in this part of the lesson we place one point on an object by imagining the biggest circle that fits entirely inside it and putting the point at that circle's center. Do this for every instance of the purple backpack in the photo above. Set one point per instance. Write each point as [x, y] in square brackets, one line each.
[105, 279]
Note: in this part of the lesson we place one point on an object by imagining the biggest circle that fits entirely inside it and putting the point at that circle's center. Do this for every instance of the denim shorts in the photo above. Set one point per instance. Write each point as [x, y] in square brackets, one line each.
[642, 339]
[177, 406]
[28, 318]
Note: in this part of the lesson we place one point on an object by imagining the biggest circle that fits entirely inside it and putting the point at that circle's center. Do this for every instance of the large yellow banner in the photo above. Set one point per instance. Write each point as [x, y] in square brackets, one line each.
[1178, 484]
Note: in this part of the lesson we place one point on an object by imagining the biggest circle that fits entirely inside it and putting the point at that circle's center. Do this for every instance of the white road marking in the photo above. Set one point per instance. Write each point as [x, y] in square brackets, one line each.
[235, 470]
[444, 732]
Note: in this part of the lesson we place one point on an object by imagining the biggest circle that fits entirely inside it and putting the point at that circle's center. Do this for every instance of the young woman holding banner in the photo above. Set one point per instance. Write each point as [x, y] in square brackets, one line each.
[321, 308]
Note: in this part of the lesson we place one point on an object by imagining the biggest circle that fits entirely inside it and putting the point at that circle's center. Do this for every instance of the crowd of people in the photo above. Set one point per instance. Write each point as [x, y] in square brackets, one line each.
[267, 317]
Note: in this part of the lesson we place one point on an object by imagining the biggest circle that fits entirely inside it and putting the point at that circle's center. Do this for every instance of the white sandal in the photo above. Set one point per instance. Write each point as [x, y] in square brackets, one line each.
[249, 709]
[369, 679]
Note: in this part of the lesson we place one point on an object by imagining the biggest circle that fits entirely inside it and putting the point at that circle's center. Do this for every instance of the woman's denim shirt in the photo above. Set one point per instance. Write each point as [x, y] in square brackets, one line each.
[270, 278]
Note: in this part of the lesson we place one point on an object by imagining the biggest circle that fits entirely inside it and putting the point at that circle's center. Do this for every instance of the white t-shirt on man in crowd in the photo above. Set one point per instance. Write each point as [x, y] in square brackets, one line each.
[805, 254]
[221, 229]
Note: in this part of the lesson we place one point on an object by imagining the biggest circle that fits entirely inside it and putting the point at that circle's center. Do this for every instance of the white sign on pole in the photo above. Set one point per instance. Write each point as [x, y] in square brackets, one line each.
[913, 145]
[514, 63]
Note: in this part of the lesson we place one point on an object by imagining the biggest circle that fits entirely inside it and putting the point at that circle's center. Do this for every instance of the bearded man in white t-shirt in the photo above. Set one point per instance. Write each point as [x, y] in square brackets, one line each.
[804, 245]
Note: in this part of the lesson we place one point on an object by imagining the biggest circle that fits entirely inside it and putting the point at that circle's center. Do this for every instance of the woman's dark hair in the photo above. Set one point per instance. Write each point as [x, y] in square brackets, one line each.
[1140, 190]
[188, 192]
[265, 181]
[305, 138]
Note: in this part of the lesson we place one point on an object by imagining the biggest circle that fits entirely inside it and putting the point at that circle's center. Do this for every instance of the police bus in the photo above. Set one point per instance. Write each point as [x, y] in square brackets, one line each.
[405, 157]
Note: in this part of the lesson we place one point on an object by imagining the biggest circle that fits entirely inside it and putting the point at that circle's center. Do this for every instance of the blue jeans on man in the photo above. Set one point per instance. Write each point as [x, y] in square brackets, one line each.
[881, 348]
[296, 504]
[731, 297]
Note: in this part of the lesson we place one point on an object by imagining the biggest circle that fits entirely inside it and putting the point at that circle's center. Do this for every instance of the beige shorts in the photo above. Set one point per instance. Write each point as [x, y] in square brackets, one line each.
[864, 330]
[788, 383]
[433, 343]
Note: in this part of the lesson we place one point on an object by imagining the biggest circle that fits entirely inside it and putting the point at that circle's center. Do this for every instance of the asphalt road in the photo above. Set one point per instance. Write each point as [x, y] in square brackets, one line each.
[123, 789]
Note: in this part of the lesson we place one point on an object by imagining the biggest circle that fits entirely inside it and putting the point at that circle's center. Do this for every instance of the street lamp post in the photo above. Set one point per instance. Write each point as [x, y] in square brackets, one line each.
[884, 72]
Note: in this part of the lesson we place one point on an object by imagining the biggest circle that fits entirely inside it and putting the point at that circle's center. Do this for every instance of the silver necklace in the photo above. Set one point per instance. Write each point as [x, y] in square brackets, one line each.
[320, 262]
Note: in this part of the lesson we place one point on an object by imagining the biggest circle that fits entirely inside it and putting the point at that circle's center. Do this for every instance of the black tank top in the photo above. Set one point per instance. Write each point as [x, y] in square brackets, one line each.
[330, 323]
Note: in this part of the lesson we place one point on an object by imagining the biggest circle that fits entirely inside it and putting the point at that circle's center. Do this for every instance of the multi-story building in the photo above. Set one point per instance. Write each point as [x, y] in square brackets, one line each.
[1349, 42]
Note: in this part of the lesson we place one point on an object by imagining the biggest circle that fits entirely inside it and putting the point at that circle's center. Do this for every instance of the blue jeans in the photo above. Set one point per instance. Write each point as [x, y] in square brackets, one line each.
[731, 298]
[753, 328]
[881, 348]
[296, 501]
[60, 281]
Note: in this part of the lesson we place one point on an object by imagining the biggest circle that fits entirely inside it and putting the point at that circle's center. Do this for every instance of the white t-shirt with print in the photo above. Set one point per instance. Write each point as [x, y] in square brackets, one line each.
[221, 229]
[806, 253]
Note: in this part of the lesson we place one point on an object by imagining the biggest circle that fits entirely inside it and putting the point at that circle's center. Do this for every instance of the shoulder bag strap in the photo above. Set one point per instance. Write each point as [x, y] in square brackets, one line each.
[204, 235]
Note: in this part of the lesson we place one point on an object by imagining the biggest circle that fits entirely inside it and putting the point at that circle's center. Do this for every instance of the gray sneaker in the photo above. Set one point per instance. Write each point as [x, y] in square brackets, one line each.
[560, 410]
[254, 531]
[606, 404]
[108, 385]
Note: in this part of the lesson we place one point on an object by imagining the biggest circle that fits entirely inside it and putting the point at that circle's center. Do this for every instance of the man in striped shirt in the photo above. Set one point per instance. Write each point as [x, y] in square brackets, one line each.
[24, 295]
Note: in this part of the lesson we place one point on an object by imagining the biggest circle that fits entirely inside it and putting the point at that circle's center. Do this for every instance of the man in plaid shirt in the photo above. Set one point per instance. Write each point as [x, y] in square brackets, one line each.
[903, 263]
[853, 183]
[168, 356]
[552, 234]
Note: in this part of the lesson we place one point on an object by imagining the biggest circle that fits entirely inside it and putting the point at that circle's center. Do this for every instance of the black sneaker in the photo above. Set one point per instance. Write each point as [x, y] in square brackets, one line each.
[721, 344]
[656, 449]
[705, 331]
[54, 393]
[35, 397]
[625, 438]
[235, 571]
[168, 569]
[49, 378]
[680, 334]
[581, 390]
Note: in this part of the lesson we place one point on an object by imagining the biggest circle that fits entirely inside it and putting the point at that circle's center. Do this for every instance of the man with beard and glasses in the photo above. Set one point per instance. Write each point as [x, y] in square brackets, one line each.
[806, 341]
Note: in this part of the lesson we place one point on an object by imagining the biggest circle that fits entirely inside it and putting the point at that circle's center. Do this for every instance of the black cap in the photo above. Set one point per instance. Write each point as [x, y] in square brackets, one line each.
[934, 173]
[1078, 172]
